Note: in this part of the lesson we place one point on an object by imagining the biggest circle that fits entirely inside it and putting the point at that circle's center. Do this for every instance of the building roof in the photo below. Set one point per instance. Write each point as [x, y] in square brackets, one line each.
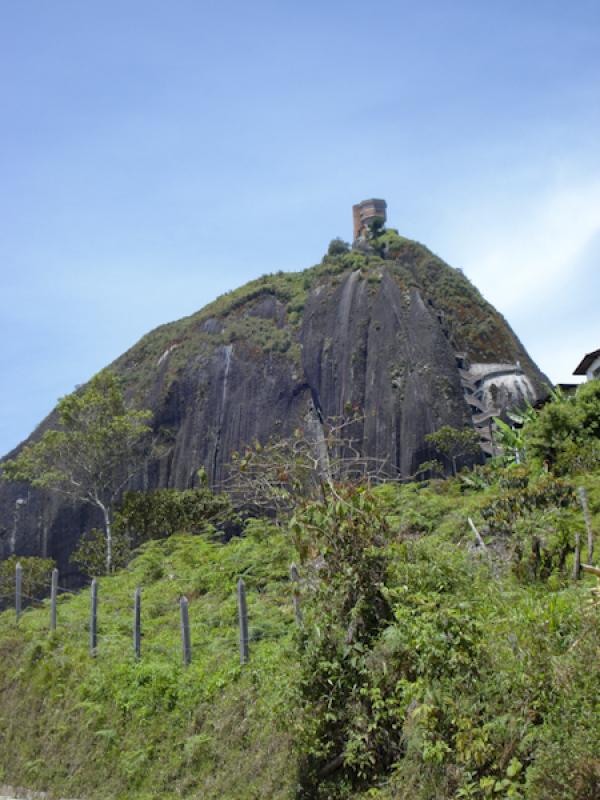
[372, 201]
[587, 362]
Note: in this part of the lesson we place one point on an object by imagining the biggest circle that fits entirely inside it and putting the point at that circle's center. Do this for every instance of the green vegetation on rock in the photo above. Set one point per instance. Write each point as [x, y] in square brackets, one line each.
[471, 322]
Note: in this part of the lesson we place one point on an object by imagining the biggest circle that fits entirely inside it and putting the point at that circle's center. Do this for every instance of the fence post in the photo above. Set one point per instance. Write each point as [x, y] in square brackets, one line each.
[53, 593]
[185, 631]
[295, 579]
[137, 623]
[243, 619]
[93, 618]
[588, 524]
[577, 557]
[18, 589]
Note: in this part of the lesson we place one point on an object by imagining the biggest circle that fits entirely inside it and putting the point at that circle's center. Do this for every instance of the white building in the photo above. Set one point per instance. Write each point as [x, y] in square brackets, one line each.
[590, 366]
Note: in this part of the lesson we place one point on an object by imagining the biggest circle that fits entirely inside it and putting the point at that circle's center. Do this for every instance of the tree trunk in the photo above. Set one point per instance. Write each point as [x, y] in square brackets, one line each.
[108, 536]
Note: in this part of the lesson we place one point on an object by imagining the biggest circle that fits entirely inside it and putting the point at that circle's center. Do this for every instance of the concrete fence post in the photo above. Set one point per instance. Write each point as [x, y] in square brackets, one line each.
[243, 620]
[53, 594]
[18, 590]
[137, 623]
[185, 631]
[93, 618]
[577, 557]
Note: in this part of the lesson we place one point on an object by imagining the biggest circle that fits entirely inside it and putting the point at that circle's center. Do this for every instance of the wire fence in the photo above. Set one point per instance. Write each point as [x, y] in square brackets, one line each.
[203, 630]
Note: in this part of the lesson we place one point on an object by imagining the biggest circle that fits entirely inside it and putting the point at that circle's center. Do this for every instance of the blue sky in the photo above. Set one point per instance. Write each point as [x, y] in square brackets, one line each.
[154, 155]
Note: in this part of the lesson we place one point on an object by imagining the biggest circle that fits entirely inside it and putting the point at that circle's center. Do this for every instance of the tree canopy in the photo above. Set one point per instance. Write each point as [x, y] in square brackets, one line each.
[158, 514]
[98, 446]
[454, 443]
[565, 434]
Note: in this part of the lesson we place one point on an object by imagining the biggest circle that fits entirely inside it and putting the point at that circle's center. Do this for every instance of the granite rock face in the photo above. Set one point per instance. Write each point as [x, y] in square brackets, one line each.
[387, 356]
[390, 338]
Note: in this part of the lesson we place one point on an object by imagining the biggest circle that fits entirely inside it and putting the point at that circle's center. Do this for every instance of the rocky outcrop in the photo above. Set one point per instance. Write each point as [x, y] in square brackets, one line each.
[356, 332]
[377, 350]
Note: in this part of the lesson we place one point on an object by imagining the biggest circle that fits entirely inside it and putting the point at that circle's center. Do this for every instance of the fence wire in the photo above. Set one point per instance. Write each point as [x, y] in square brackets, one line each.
[201, 632]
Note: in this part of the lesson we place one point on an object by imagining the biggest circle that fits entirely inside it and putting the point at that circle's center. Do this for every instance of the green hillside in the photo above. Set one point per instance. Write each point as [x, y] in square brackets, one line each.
[114, 727]
[426, 666]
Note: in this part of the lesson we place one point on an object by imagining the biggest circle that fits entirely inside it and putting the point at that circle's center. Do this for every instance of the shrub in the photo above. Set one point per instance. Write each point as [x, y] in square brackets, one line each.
[454, 444]
[342, 731]
[565, 435]
[159, 514]
[535, 517]
[338, 247]
[35, 577]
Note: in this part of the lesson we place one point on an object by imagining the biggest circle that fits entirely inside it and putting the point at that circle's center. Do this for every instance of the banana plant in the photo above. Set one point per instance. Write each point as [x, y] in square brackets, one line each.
[510, 438]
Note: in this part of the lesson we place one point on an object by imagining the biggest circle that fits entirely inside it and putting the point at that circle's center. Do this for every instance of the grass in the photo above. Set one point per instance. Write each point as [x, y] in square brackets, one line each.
[114, 727]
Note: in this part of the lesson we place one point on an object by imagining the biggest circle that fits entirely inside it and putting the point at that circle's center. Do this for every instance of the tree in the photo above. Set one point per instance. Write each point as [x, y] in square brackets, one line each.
[565, 434]
[142, 516]
[338, 247]
[454, 443]
[99, 446]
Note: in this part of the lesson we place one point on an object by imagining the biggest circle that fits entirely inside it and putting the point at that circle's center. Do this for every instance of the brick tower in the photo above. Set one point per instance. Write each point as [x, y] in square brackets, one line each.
[365, 212]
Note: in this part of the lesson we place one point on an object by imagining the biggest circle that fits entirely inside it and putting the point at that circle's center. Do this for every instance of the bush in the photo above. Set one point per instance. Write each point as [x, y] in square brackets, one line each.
[163, 512]
[159, 514]
[35, 577]
[90, 554]
[338, 247]
[343, 734]
[565, 435]
[454, 443]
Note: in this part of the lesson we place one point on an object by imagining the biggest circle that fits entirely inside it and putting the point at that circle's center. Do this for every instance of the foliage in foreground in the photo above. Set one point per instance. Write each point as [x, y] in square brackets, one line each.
[440, 672]
[565, 434]
[425, 667]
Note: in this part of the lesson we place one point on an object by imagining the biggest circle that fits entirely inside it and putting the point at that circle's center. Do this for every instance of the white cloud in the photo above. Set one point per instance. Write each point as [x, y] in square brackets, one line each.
[533, 253]
[538, 246]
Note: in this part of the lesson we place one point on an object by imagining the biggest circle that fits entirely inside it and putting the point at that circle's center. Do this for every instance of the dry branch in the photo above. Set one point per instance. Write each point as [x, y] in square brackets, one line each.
[272, 477]
[591, 569]
[478, 536]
